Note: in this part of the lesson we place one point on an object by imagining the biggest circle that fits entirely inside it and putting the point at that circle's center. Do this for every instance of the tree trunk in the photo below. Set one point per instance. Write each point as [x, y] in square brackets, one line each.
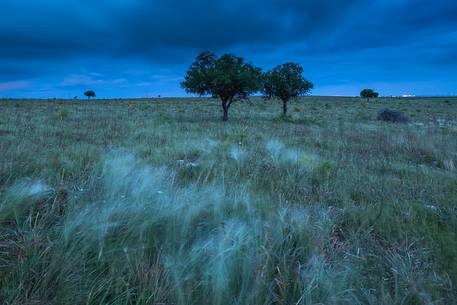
[284, 108]
[225, 107]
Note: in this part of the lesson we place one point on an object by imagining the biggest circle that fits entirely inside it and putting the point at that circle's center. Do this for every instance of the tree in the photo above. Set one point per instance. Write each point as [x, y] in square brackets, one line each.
[286, 82]
[227, 77]
[89, 93]
[369, 93]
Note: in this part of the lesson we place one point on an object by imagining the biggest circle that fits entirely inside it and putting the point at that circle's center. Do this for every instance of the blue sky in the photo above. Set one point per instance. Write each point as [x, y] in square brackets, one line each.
[141, 48]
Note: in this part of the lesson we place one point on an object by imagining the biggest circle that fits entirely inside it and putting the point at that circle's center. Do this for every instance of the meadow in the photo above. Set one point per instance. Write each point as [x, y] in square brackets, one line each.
[157, 201]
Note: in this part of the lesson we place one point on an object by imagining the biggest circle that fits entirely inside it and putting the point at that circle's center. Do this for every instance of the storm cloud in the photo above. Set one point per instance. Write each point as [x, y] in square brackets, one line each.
[142, 48]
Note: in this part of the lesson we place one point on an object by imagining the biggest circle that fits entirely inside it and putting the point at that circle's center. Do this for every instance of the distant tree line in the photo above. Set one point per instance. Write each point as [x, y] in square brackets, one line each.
[230, 78]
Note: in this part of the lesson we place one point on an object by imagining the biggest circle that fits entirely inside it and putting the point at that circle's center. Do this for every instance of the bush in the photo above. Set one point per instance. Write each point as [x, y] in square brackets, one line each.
[90, 93]
[393, 116]
[369, 93]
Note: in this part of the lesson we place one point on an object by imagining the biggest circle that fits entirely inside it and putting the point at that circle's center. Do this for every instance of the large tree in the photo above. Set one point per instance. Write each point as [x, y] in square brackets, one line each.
[227, 77]
[369, 93]
[286, 82]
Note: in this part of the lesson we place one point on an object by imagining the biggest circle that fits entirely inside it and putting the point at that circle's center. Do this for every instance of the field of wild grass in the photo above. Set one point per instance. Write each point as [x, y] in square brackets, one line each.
[159, 202]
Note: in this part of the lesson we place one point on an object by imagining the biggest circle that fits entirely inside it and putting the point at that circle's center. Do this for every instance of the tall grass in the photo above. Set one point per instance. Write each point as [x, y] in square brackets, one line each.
[177, 211]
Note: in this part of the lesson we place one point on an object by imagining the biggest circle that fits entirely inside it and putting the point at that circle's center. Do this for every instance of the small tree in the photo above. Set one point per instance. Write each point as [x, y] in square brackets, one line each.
[226, 77]
[286, 82]
[369, 93]
[89, 93]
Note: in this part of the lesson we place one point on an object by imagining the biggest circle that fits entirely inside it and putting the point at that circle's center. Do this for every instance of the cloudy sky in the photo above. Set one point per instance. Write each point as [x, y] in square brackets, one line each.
[142, 48]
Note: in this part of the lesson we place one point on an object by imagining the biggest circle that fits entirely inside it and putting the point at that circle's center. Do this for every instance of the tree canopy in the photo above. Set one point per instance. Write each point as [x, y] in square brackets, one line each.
[286, 82]
[369, 93]
[227, 77]
[90, 93]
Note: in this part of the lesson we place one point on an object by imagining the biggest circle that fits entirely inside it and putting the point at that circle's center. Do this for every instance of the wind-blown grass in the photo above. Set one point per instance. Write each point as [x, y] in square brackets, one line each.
[113, 204]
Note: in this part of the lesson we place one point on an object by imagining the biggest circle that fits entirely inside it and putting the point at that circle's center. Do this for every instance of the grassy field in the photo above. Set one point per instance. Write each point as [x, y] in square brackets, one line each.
[159, 202]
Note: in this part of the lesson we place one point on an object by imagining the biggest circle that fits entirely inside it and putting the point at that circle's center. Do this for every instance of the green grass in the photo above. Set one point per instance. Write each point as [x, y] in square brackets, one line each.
[159, 202]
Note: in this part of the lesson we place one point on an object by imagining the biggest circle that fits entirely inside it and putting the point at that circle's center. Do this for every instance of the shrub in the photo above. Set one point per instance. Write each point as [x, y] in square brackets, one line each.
[393, 116]
[90, 93]
[369, 93]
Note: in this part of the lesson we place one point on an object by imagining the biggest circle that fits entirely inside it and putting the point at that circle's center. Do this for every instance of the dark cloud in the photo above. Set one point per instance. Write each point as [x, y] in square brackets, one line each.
[57, 47]
[54, 28]
[390, 23]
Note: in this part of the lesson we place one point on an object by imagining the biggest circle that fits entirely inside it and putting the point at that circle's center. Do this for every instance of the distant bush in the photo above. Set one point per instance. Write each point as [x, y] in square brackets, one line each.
[393, 116]
[369, 93]
[90, 93]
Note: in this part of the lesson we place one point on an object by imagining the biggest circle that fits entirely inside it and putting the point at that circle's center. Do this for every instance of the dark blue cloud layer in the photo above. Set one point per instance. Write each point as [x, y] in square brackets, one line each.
[142, 48]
